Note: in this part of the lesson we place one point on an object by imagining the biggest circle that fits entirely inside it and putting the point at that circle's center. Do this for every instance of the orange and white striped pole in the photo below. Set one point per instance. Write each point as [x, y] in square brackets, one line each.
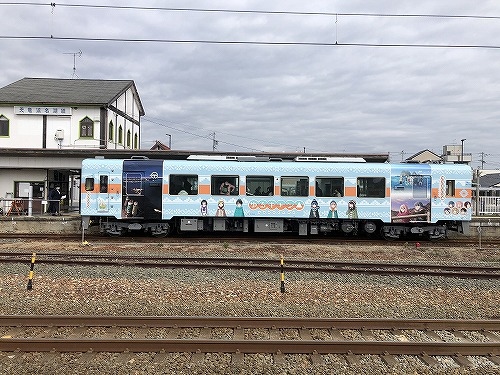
[30, 276]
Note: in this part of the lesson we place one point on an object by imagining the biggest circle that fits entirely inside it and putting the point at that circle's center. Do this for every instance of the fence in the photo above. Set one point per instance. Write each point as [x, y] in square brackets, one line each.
[25, 206]
[487, 205]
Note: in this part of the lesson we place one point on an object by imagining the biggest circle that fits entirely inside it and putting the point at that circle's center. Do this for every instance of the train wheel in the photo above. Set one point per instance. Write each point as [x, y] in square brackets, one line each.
[117, 232]
[390, 234]
[160, 231]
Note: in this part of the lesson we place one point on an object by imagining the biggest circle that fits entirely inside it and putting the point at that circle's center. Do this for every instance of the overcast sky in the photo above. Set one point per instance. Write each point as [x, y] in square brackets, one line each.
[359, 96]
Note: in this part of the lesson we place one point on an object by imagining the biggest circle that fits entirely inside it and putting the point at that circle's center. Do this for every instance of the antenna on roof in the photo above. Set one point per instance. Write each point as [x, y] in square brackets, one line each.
[79, 53]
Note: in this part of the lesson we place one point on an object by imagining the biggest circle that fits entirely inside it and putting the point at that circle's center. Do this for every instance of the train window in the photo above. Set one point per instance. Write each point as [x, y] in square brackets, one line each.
[225, 185]
[103, 184]
[89, 184]
[450, 188]
[329, 186]
[295, 186]
[183, 184]
[260, 185]
[371, 187]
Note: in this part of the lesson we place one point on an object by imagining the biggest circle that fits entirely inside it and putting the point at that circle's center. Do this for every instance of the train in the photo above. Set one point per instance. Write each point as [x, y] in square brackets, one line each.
[306, 196]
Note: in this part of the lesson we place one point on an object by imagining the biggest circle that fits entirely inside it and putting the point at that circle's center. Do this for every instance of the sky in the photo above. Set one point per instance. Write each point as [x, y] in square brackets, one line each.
[354, 76]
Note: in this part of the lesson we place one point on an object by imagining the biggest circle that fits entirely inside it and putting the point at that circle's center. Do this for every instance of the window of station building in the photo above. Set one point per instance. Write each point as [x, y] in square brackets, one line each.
[4, 126]
[22, 188]
[371, 187]
[450, 188]
[183, 184]
[224, 185]
[89, 184]
[111, 131]
[260, 185]
[295, 186]
[136, 141]
[120, 134]
[103, 184]
[86, 128]
[129, 138]
[329, 186]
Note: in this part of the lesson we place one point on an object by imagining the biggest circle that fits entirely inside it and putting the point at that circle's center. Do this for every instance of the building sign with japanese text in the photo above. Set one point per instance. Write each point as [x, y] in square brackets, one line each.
[41, 110]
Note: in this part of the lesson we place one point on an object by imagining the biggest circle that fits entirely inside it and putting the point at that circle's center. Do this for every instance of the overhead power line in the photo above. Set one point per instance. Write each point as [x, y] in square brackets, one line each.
[243, 11]
[251, 42]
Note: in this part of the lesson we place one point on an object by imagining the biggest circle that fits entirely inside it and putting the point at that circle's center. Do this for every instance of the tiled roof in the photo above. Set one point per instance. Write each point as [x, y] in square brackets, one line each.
[490, 180]
[47, 91]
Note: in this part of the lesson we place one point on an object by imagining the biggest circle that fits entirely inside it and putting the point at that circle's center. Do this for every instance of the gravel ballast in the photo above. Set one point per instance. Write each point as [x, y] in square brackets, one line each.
[105, 290]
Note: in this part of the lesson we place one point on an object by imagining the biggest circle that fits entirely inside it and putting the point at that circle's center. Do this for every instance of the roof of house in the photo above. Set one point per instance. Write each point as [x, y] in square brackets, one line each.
[160, 146]
[489, 180]
[427, 155]
[52, 91]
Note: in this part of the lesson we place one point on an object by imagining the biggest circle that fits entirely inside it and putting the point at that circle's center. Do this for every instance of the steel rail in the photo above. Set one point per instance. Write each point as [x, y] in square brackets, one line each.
[248, 346]
[292, 265]
[246, 322]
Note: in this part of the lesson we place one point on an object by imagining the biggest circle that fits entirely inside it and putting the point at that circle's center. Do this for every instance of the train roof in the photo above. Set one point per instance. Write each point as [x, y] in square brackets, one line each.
[208, 155]
[262, 156]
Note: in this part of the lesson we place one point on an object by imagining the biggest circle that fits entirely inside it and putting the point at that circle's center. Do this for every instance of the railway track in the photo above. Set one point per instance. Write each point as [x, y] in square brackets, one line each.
[271, 238]
[238, 336]
[259, 264]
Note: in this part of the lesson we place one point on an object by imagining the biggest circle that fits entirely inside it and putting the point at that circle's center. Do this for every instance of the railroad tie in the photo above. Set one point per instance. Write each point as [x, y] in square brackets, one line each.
[238, 334]
[490, 336]
[459, 335]
[317, 359]
[433, 335]
[197, 357]
[389, 359]
[206, 333]
[77, 333]
[161, 357]
[429, 361]
[462, 361]
[305, 334]
[279, 358]
[352, 359]
[274, 334]
[13, 332]
[125, 357]
[367, 334]
[173, 333]
[336, 335]
[237, 358]
[87, 356]
[50, 356]
[494, 358]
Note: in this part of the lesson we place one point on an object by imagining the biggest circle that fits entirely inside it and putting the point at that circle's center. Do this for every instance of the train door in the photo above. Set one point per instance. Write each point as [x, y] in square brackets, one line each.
[411, 193]
[103, 193]
[142, 189]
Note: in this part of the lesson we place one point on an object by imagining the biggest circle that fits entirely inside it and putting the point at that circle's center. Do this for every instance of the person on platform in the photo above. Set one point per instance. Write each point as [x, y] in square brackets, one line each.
[55, 201]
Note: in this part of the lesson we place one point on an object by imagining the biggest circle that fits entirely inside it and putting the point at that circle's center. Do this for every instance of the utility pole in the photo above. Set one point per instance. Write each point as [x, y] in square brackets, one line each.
[214, 141]
[462, 160]
[482, 160]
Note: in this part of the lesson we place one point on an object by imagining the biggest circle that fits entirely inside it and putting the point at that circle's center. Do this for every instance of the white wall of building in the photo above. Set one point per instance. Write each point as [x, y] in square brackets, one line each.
[26, 125]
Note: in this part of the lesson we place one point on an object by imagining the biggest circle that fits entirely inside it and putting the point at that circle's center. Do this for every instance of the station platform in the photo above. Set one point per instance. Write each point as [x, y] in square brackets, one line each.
[70, 224]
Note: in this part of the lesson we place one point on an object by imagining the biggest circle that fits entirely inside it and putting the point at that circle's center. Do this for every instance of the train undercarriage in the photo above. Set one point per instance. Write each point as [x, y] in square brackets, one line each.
[301, 227]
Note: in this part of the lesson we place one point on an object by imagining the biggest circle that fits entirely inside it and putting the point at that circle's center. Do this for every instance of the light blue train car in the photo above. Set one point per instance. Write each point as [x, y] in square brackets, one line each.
[248, 194]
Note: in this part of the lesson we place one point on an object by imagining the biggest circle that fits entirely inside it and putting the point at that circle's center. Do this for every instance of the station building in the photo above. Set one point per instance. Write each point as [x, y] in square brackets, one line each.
[47, 126]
